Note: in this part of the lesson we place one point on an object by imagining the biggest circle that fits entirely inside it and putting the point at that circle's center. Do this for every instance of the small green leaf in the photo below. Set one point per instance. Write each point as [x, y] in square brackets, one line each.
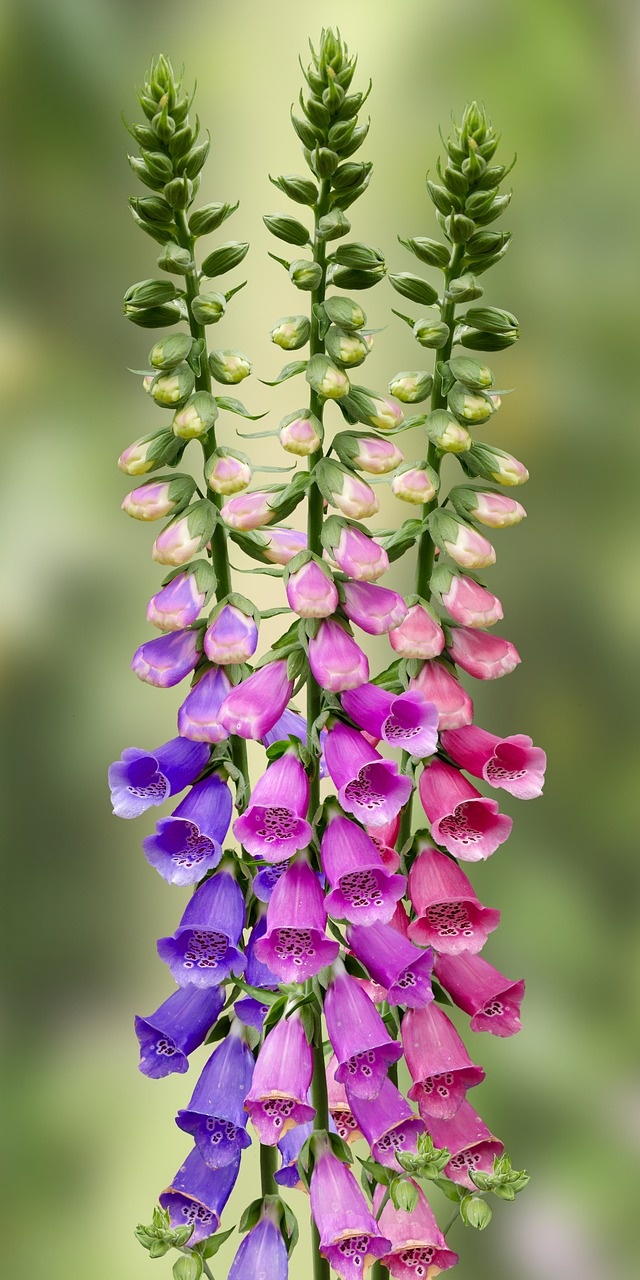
[289, 371]
[209, 1248]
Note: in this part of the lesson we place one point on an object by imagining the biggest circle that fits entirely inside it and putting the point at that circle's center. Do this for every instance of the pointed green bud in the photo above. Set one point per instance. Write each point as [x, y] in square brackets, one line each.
[154, 317]
[170, 351]
[291, 332]
[411, 388]
[470, 406]
[224, 258]
[345, 313]
[324, 161]
[475, 1212]
[476, 376]
[179, 192]
[444, 201]
[286, 228]
[445, 432]
[404, 1194]
[196, 159]
[479, 340]
[363, 256]
[431, 333]
[196, 416]
[485, 244]
[304, 274]
[464, 288]
[302, 190]
[229, 366]
[188, 1267]
[176, 259]
[333, 225]
[153, 208]
[209, 218]
[149, 293]
[208, 308]
[347, 348]
[414, 288]
[350, 176]
[158, 165]
[459, 228]
[490, 320]
[356, 277]
[429, 251]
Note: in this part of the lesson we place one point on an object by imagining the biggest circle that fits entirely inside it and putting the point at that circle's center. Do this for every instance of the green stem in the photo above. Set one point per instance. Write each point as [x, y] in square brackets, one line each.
[379, 1271]
[268, 1161]
[451, 1221]
[207, 1270]
[320, 1100]
[405, 819]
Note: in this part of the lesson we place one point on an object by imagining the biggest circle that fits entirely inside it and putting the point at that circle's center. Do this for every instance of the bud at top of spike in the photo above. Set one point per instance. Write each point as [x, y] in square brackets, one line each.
[170, 351]
[229, 366]
[196, 416]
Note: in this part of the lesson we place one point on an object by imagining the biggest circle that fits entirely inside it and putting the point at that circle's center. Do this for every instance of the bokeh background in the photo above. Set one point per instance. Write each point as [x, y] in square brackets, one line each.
[90, 1142]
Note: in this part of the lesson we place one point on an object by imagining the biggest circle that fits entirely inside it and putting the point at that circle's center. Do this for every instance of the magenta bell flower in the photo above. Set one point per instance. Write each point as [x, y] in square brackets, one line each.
[283, 545]
[450, 917]
[388, 1124]
[418, 636]
[295, 945]
[466, 823]
[189, 843]
[350, 1238]
[473, 1147]
[204, 951]
[484, 656]
[166, 661]
[362, 1045]
[262, 1255]
[362, 890]
[470, 604]
[336, 661]
[406, 720]
[359, 556]
[340, 1111]
[492, 1001]
[177, 605]
[511, 763]
[438, 1063]
[368, 787]
[274, 825]
[418, 1250]
[215, 1116]
[278, 1097]
[199, 715]
[177, 1027]
[198, 1195]
[394, 963]
[374, 609]
[232, 636]
[141, 779]
[438, 685]
[253, 706]
[311, 591]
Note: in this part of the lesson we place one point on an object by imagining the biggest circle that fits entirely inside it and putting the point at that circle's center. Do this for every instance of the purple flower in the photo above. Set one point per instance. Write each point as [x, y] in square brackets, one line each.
[311, 591]
[418, 636]
[393, 962]
[177, 605]
[283, 544]
[461, 819]
[340, 1111]
[290, 725]
[274, 825]
[359, 556]
[336, 661]
[232, 636]
[254, 705]
[438, 1063]
[262, 1255]
[295, 945]
[251, 1012]
[177, 1027]
[215, 1116]
[492, 1001]
[511, 763]
[419, 1250]
[266, 880]
[278, 1097]
[258, 974]
[450, 917]
[203, 951]
[350, 1239]
[473, 1147]
[290, 1146]
[368, 786]
[407, 720]
[198, 717]
[141, 779]
[375, 610]
[362, 1045]
[362, 890]
[189, 843]
[198, 1195]
[388, 1123]
[165, 661]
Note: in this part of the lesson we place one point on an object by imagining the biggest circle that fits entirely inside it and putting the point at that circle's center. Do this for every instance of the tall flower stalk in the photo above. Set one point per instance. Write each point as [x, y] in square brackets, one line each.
[316, 951]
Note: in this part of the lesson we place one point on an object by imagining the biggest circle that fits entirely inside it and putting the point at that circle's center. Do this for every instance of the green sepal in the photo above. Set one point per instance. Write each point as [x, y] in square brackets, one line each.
[323, 161]
[486, 244]
[459, 228]
[209, 218]
[432, 252]
[175, 259]
[444, 200]
[250, 1216]
[209, 1248]
[179, 192]
[224, 258]
[236, 406]
[378, 1172]
[188, 1267]
[427, 1161]
[158, 231]
[171, 388]
[414, 288]
[289, 371]
[439, 994]
[302, 190]
[153, 209]
[333, 225]
[476, 376]
[403, 538]
[286, 228]
[475, 1212]
[306, 134]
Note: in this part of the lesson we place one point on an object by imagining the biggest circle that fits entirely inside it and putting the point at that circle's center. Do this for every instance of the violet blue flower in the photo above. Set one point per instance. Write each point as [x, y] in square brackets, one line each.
[141, 779]
[368, 786]
[336, 661]
[204, 948]
[215, 1116]
[290, 1146]
[394, 962]
[311, 591]
[362, 1045]
[278, 1097]
[198, 717]
[177, 1027]
[405, 720]
[487, 657]
[470, 604]
[359, 556]
[251, 1012]
[274, 824]
[256, 973]
[262, 1255]
[266, 880]
[465, 822]
[340, 1111]
[290, 725]
[350, 1239]
[438, 1063]
[231, 637]
[295, 945]
[418, 1250]
[177, 605]
[450, 917]
[362, 890]
[165, 661]
[374, 609]
[253, 706]
[511, 763]
[438, 685]
[198, 1195]
[388, 1124]
[473, 1147]
[189, 843]
[492, 1001]
[418, 636]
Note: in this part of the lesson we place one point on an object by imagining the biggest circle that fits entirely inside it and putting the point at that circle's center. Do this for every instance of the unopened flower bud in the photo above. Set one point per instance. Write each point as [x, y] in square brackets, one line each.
[227, 472]
[174, 387]
[415, 482]
[476, 376]
[170, 351]
[344, 490]
[311, 591]
[464, 289]
[345, 313]
[159, 498]
[464, 545]
[494, 464]
[367, 453]
[149, 453]
[447, 433]
[208, 308]
[149, 293]
[147, 382]
[386, 415]
[411, 388]
[175, 259]
[224, 258]
[229, 366]
[431, 333]
[304, 274]
[196, 416]
[283, 545]
[291, 332]
[347, 348]
[232, 635]
[301, 433]
[495, 510]
[248, 511]
[325, 378]
[470, 406]
[186, 535]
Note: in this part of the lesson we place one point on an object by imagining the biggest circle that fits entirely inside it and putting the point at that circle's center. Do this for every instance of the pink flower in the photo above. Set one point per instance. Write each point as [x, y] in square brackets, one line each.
[177, 605]
[469, 548]
[231, 637]
[496, 510]
[406, 721]
[375, 456]
[254, 705]
[484, 656]
[470, 604]
[418, 636]
[368, 786]
[150, 501]
[466, 823]
[414, 484]
[439, 686]
[356, 499]
[473, 1147]
[374, 609]
[311, 591]
[418, 1250]
[175, 545]
[513, 763]
[438, 1062]
[491, 1000]
[359, 556]
[336, 661]
[248, 510]
[283, 545]
[339, 1107]
[450, 917]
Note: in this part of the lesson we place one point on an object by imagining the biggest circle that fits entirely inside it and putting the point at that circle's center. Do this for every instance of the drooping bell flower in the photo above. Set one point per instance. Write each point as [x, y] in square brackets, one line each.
[189, 843]
[362, 1045]
[470, 604]
[388, 1124]
[295, 945]
[231, 637]
[336, 661]
[472, 1145]
[491, 1000]
[438, 685]
[165, 661]
[204, 951]
[141, 779]
[350, 1238]
[374, 609]
[251, 1012]
[177, 1027]
[405, 720]
[362, 890]
[438, 1062]
[394, 962]
[359, 556]
[450, 917]
[262, 1255]
[513, 763]
[487, 657]
[283, 544]
[177, 605]
[368, 786]
[199, 715]
[311, 591]
[253, 706]
[278, 1097]
[466, 823]
[215, 1116]
[418, 1250]
[198, 1195]
[418, 636]
[290, 1146]
[274, 824]
[339, 1106]
[265, 881]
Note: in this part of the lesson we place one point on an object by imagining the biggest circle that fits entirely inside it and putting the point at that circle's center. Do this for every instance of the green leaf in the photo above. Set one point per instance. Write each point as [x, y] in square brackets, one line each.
[209, 1248]
[289, 371]
[236, 406]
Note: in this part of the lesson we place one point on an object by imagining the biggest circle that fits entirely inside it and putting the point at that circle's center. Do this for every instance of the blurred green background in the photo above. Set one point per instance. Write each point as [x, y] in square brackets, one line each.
[90, 1142]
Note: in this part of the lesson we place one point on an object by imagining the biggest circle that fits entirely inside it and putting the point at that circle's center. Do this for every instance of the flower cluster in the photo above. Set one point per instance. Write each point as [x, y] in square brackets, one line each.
[317, 950]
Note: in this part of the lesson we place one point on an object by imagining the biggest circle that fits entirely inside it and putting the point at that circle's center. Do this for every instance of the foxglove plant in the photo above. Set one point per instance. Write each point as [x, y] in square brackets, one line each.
[328, 928]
